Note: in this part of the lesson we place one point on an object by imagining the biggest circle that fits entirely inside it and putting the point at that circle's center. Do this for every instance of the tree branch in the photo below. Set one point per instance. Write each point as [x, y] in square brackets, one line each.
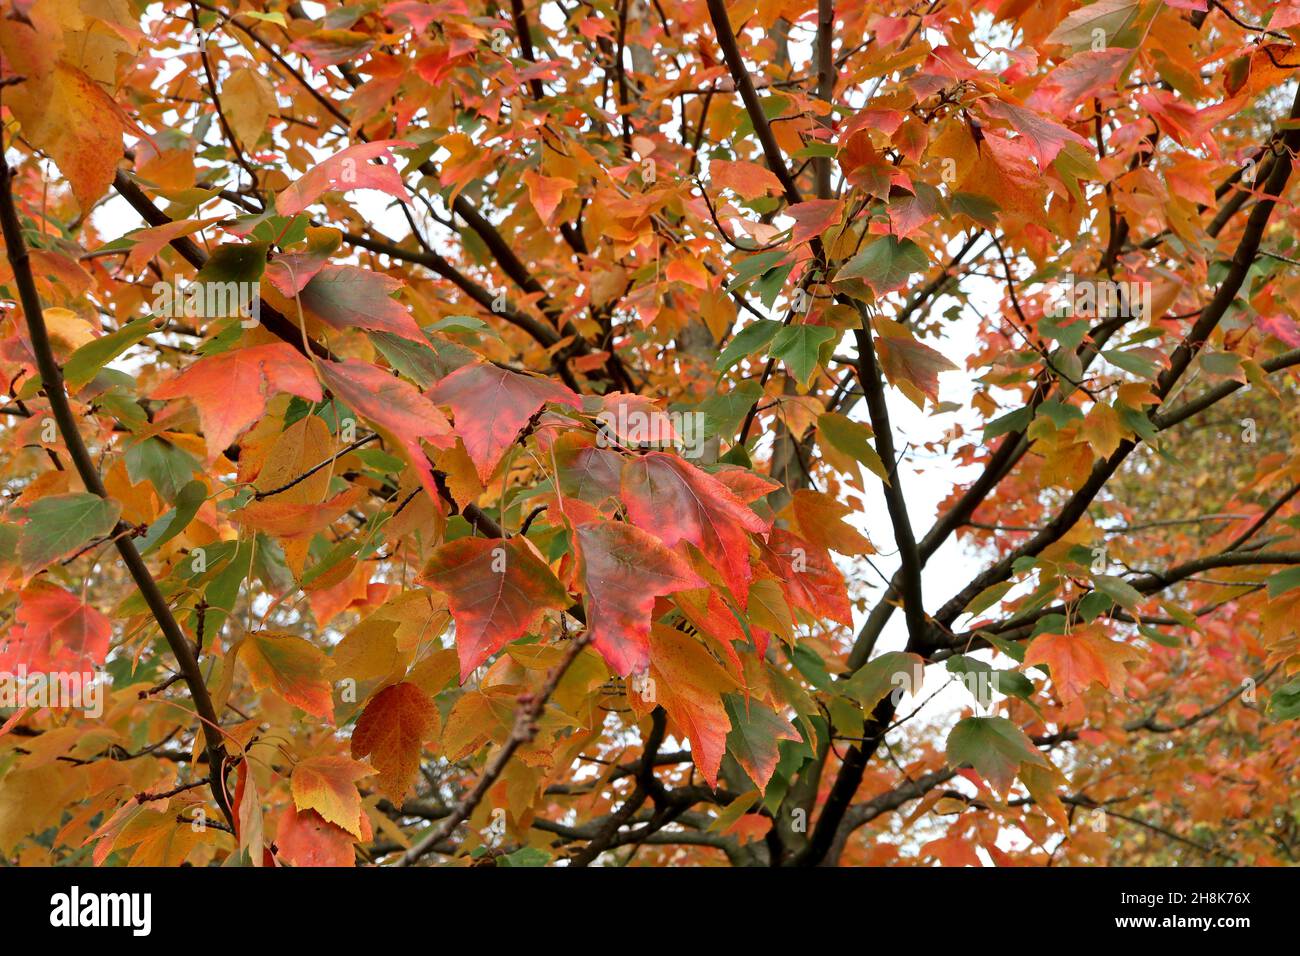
[52, 380]
[525, 729]
[745, 85]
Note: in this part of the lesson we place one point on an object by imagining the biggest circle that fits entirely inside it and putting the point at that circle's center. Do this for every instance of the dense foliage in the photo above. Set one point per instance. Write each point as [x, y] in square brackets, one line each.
[443, 430]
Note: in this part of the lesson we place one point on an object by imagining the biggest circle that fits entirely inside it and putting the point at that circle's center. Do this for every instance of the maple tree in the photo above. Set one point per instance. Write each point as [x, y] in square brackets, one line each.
[446, 428]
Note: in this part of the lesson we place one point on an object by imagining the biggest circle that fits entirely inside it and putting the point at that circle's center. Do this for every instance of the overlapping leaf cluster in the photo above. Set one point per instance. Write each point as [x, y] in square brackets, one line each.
[492, 393]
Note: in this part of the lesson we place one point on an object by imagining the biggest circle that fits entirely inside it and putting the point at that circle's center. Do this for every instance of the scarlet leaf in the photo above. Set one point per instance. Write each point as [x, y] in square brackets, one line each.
[587, 471]
[330, 47]
[496, 590]
[54, 631]
[546, 192]
[624, 569]
[677, 502]
[1045, 137]
[491, 406]
[290, 272]
[907, 361]
[1079, 77]
[146, 243]
[809, 577]
[534, 384]
[709, 614]
[1078, 659]
[746, 180]
[287, 519]
[952, 850]
[231, 388]
[822, 520]
[1281, 327]
[813, 217]
[304, 838]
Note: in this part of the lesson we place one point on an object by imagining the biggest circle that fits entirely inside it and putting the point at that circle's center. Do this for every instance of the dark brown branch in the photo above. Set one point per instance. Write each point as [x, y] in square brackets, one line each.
[1146, 584]
[645, 785]
[525, 729]
[211, 78]
[745, 85]
[189, 250]
[873, 388]
[1182, 357]
[1264, 518]
[825, 86]
[526, 44]
[1167, 418]
[52, 379]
